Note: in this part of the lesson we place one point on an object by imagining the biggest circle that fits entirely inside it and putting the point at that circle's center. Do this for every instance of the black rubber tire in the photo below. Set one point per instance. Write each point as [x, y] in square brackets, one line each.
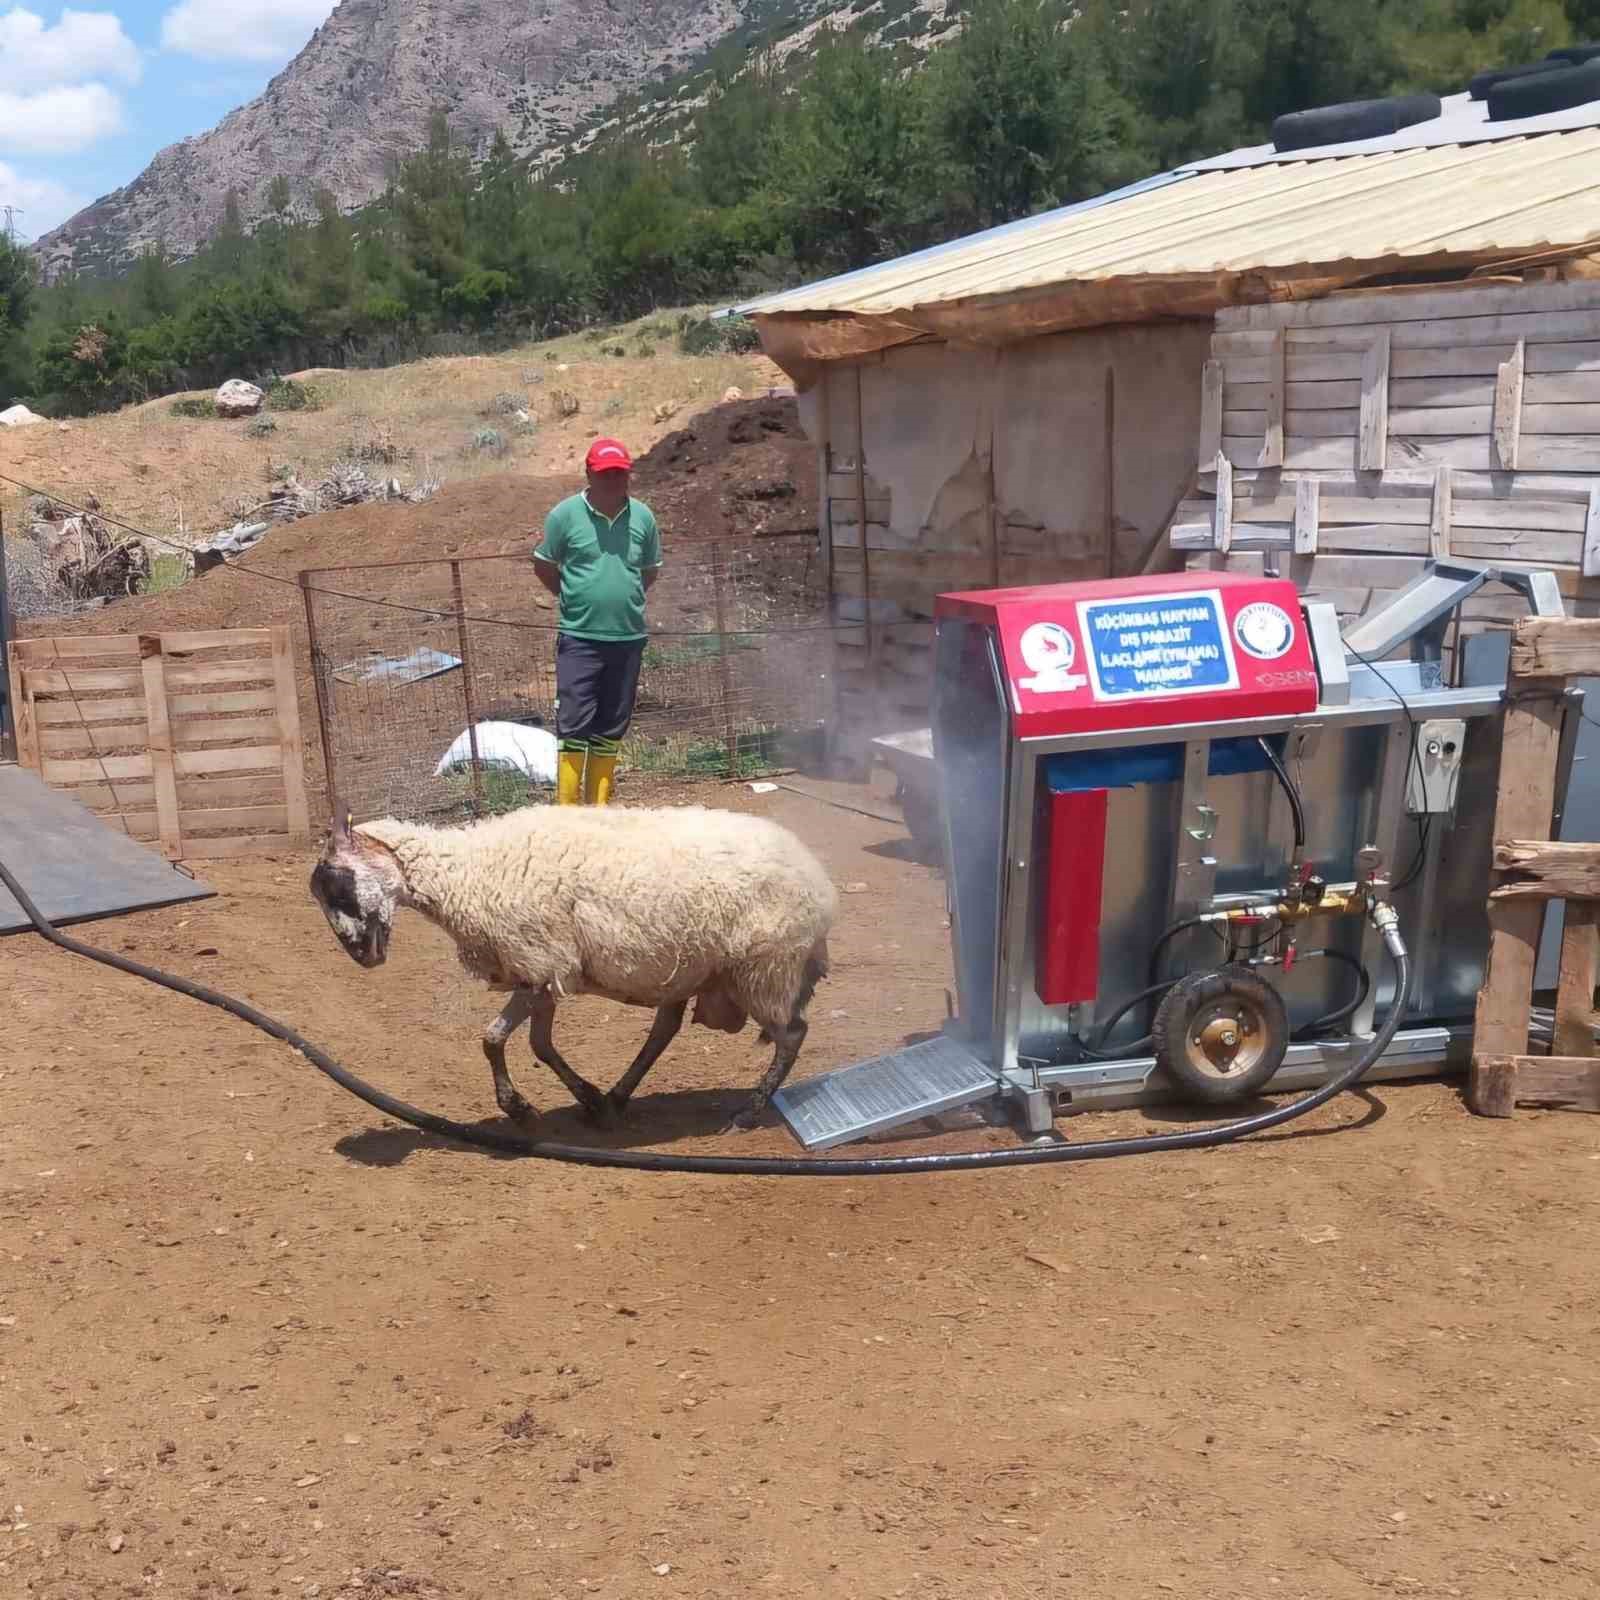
[1355, 119]
[1171, 1032]
[1482, 82]
[1544, 91]
[1575, 54]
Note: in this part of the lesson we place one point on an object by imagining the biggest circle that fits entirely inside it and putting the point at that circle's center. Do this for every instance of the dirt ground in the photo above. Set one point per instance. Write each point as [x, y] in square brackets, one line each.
[255, 1340]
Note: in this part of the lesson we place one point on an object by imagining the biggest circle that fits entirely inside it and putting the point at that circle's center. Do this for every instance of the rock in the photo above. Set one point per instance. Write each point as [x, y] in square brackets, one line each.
[732, 394]
[229, 545]
[19, 416]
[236, 398]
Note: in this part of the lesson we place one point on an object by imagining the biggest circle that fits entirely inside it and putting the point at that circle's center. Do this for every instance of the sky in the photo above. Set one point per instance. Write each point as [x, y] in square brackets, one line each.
[90, 92]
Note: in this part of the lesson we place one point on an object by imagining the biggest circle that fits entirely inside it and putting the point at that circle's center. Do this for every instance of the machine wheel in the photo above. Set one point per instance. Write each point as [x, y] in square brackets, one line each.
[1220, 1036]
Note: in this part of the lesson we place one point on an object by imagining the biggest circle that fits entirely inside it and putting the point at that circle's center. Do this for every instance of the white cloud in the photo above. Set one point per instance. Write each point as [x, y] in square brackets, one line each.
[83, 45]
[242, 30]
[43, 203]
[59, 120]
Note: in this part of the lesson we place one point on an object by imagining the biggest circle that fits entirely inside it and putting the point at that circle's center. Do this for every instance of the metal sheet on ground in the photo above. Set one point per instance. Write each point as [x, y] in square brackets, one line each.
[74, 866]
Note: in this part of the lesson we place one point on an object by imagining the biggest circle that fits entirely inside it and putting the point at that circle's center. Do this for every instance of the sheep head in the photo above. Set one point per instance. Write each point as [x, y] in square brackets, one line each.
[358, 884]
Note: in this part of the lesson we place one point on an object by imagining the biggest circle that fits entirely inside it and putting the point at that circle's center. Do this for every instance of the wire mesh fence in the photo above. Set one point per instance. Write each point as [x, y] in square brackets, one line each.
[436, 690]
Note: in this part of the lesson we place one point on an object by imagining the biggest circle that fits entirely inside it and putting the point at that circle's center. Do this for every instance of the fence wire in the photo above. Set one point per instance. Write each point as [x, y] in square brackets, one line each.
[735, 678]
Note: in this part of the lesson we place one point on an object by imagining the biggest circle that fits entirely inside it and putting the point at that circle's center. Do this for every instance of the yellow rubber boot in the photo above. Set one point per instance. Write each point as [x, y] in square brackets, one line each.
[570, 777]
[598, 782]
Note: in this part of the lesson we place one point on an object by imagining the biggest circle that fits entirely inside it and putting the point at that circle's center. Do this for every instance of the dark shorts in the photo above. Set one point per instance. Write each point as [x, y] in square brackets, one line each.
[595, 686]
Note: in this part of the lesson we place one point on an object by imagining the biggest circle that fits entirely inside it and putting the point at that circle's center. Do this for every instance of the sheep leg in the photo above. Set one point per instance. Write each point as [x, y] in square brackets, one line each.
[542, 1021]
[517, 1010]
[786, 1042]
[662, 1032]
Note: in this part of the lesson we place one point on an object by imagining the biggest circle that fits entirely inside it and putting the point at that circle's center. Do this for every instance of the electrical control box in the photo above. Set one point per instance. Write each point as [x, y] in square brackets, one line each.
[1434, 768]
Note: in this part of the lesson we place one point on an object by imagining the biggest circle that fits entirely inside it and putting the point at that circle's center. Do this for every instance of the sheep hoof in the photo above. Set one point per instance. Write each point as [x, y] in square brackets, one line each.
[745, 1121]
[515, 1107]
[605, 1112]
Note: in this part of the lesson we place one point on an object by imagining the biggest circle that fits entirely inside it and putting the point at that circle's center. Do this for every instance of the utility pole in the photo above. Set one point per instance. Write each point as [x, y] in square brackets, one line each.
[12, 213]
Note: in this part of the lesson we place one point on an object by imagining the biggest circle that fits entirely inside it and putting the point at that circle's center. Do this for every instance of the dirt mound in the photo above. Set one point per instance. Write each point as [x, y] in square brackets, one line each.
[734, 471]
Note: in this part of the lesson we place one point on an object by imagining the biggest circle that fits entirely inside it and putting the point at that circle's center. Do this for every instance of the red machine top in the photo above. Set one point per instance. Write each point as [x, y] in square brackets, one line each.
[1147, 652]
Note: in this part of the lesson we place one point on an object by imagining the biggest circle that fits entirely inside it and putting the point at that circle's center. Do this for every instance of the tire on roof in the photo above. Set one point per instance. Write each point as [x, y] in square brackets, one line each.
[1575, 54]
[1545, 91]
[1354, 119]
[1482, 82]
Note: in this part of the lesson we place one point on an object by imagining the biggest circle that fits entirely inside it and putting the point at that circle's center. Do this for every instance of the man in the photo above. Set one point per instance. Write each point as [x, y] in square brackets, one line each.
[601, 553]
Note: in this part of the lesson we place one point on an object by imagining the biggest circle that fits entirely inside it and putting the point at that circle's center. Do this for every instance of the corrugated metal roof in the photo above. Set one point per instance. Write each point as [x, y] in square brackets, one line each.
[1191, 241]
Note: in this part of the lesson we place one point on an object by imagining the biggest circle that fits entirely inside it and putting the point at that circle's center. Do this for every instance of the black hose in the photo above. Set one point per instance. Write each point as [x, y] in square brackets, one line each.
[739, 1166]
[1350, 1007]
[1171, 934]
[1286, 783]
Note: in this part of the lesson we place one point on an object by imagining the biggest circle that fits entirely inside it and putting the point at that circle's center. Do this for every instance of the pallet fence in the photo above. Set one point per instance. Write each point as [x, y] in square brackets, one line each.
[1531, 870]
[189, 740]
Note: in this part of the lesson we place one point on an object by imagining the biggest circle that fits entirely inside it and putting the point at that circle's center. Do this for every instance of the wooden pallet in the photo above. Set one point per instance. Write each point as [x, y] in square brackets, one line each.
[1531, 870]
[189, 740]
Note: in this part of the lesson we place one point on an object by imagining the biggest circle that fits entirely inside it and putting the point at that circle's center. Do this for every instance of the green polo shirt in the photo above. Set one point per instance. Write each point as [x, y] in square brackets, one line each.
[602, 567]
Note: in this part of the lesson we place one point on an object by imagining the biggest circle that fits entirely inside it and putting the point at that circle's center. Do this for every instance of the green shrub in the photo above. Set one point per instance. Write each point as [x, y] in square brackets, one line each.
[199, 408]
[285, 394]
[724, 336]
[260, 427]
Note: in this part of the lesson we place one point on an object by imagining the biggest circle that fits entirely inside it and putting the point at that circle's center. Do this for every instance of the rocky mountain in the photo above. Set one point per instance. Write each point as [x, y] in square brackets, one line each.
[360, 93]
[553, 75]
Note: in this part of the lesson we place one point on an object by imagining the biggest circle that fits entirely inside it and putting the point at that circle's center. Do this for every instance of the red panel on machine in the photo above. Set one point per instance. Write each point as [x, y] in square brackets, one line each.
[1147, 652]
[1069, 938]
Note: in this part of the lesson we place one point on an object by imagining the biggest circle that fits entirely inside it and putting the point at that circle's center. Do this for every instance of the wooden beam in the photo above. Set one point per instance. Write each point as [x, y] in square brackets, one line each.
[1272, 442]
[1222, 525]
[1506, 1082]
[290, 739]
[1375, 404]
[1210, 414]
[1591, 535]
[1508, 409]
[1556, 647]
[1524, 807]
[1110, 469]
[1541, 869]
[1439, 525]
[1574, 1030]
[1307, 515]
[158, 725]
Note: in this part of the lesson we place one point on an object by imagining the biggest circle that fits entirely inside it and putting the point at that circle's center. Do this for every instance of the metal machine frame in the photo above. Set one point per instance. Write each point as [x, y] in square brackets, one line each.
[983, 1052]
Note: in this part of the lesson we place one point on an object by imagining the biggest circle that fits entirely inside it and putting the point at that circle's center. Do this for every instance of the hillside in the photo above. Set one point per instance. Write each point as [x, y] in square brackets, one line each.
[359, 95]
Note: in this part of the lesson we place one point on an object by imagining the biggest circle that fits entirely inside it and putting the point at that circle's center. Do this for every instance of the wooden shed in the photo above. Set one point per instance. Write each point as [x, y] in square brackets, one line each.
[1332, 363]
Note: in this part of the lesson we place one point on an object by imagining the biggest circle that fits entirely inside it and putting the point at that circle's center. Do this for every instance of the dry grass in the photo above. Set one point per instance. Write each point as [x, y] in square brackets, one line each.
[185, 478]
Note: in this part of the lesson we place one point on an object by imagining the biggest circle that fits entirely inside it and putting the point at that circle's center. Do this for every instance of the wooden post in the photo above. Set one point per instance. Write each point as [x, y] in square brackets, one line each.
[469, 699]
[1574, 1031]
[1210, 415]
[1508, 410]
[1442, 515]
[1110, 470]
[26, 721]
[1222, 536]
[1591, 536]
[8, 709]
[1307, 516]
[861, 516]
[718, 587]
[159, 725]
[291, 742]
[1272, 444]
[323, 692]
[1374, 443]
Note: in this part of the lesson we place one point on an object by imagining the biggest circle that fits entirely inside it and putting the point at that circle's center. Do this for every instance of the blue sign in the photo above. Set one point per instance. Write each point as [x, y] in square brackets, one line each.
[1157, 645]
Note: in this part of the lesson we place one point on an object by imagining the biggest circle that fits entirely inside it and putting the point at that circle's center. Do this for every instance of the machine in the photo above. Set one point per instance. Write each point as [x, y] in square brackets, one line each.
[1169, 807]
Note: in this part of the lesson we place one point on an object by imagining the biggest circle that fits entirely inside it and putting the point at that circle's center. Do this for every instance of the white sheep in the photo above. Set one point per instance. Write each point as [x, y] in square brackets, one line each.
[645, 907]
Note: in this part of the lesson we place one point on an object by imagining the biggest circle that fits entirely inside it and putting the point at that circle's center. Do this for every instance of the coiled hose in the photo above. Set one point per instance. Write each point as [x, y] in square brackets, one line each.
[743, 1166]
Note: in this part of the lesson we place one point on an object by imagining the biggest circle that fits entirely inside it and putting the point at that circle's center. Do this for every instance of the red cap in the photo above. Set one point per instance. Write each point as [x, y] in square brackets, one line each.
[608, 455]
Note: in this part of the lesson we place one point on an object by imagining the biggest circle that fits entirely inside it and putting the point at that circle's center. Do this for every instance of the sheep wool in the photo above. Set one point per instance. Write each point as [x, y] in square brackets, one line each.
[646, 907]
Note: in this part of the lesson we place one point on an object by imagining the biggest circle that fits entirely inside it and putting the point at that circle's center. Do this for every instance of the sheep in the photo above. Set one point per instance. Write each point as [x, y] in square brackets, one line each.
[649, 908]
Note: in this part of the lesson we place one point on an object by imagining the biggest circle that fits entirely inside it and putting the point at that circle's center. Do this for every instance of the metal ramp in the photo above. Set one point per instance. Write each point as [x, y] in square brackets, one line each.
[73, 865]
[872, 1096]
